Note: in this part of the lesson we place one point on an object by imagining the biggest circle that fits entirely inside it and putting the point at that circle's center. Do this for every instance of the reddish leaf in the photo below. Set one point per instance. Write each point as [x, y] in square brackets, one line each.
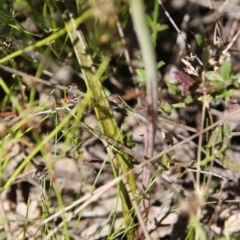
[184, 79]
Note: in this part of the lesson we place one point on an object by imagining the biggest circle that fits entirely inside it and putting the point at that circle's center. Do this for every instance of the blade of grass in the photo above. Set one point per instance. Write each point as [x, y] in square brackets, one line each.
[46, 40]
[103, 111]
[149, 58]
[79, 108]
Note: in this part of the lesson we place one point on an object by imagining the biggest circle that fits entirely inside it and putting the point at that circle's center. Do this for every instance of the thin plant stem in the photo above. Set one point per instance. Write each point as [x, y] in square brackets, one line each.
[102, 109]
[144, 38]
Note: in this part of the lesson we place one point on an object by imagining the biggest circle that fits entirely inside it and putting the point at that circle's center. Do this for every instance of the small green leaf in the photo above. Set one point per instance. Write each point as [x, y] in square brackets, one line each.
[226, 69]
[188, 99]
[161, 27]
[173, 88]
[167, 108]
[156, 27]
[201, 41]
[15, 87]
[237, 76]
[218, 85]
[141, 73]
[213, 76]
[128, 141]
[129, 136]
[179, 105]
[149, 20]
[235, 82]
[165, 161]
[160, 170]
[224, 94]
[142, 84]
[160, 64]
[140, 58]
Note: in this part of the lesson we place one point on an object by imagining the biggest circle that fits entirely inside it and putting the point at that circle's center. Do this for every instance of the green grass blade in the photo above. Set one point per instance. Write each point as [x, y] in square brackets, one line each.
[103, 112]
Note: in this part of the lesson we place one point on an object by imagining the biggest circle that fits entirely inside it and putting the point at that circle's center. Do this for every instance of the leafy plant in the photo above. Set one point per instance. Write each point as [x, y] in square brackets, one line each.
[45, 123]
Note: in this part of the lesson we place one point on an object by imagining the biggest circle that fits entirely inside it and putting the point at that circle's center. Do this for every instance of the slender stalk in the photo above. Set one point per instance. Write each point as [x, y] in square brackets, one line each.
[144, 39]
[103, 112]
